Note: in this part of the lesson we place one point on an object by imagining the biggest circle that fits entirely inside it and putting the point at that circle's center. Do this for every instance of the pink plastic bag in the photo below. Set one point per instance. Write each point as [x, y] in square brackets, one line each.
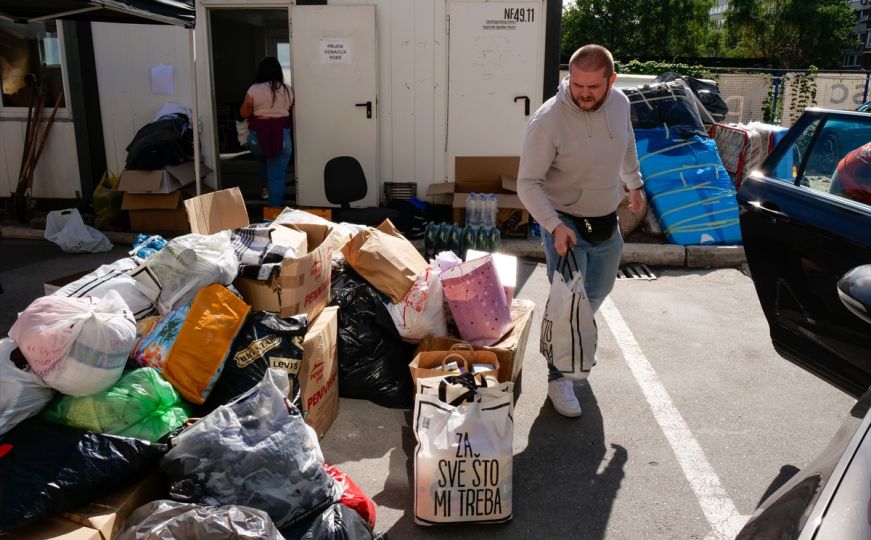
[477, 301]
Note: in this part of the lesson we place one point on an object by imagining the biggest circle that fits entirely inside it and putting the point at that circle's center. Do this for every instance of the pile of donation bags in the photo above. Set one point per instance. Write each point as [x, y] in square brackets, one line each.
[162, 356]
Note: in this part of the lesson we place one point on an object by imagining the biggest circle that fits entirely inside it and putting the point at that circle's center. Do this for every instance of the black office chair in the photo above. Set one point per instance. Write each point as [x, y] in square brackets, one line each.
[344, 183]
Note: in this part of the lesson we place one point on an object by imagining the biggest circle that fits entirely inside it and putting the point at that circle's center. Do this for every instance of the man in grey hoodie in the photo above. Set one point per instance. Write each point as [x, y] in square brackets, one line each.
[577, 164]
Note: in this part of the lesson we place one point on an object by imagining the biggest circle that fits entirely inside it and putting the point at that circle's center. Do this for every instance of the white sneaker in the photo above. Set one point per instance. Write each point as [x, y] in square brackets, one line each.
[562, 395]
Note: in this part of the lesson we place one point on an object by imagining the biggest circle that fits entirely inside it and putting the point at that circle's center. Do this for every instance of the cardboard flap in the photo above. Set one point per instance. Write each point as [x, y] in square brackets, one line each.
[140, 181]
[216, 212]
[292, 238]
[387, 227]
[509, 183]
[186, 173]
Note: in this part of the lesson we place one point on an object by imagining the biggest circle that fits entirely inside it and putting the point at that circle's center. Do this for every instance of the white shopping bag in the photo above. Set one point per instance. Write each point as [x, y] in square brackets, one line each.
[66, 229]
[463, 464]
[568, 329]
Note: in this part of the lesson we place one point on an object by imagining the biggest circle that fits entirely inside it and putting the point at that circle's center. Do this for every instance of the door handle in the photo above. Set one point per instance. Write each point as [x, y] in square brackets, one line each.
[770, 210]
[368, 106]
[525, 103]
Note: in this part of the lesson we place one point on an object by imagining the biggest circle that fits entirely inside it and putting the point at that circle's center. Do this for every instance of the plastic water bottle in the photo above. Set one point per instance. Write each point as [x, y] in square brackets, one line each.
[494, 209]
[470, 236]
[470, 208]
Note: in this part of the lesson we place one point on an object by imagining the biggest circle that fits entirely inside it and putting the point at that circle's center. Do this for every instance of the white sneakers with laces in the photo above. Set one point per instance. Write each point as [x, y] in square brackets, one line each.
[561, 393]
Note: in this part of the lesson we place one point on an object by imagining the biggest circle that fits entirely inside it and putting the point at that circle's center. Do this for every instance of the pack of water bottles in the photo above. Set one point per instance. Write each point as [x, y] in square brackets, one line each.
[480, 231]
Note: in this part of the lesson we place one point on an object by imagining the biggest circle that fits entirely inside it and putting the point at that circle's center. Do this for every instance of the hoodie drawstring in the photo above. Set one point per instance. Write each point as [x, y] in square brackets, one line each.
[589, 131]
[607, 123]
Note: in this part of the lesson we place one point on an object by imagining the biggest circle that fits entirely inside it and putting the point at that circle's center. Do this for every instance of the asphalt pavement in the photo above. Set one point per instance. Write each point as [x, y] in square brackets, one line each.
[688, 416]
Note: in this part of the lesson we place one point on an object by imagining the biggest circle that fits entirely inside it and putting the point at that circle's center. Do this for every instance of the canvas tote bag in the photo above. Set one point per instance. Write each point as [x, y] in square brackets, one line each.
[568, 328]
[463, 463]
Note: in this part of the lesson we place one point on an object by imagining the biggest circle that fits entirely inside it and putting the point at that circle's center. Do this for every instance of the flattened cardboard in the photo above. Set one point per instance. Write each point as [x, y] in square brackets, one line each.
[319, 373]
[302, 284]
[166, 180]
[215, 212]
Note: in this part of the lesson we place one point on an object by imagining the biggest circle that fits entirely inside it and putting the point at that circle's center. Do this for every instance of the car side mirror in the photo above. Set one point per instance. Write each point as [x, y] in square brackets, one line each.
[854, 290]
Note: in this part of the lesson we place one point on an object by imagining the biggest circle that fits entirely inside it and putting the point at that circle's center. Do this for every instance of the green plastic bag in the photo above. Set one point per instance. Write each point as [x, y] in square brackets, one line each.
[107, 200]
[142, 404]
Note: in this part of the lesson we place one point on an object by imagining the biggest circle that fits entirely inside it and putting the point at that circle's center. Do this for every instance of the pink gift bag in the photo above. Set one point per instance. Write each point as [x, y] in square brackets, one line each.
[477, 301]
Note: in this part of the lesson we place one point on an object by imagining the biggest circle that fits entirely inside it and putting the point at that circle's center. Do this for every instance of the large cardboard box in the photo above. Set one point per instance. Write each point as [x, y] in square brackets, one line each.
[510, 349]
[159, 212]
[167, 180]
[487, 174]
[100, 520]
[302, 284]
[319, 371]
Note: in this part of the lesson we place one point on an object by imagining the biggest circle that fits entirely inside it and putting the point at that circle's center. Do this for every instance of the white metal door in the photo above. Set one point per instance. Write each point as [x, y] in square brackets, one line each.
[334, 72]
[495, 68]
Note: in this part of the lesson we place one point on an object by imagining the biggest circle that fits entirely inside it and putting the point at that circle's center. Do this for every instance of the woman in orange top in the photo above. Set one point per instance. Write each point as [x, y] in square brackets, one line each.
[267, 105]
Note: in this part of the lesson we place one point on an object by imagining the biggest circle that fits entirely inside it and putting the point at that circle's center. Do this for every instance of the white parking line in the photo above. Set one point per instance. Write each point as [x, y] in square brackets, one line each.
[718, 508]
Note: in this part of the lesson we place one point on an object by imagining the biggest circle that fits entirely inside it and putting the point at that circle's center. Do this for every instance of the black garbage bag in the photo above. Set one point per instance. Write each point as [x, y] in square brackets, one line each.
[668, 105]
[256, 451]
[167, 141]
[170, 520]
[412, 219]
[708, 94]
[373, 359]
[49, 468]
[266, 341]
[337, 522]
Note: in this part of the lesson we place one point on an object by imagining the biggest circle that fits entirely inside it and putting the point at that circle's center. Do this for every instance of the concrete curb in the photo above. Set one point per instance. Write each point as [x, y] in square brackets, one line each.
[643, 253]
[651, 254]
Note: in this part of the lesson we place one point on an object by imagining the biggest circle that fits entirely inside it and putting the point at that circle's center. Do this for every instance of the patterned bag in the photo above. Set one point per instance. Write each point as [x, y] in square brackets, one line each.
[477, 301]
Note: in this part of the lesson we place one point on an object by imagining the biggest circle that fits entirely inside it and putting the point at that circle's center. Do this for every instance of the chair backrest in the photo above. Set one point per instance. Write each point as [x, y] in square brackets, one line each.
[344, 180]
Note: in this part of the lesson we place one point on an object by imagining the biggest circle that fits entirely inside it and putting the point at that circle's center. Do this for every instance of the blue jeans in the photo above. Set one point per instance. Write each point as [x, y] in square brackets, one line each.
[597, 263]
[272, 170]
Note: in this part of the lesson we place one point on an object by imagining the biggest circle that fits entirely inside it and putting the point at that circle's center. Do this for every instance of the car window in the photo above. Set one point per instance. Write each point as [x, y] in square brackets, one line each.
[831, 155]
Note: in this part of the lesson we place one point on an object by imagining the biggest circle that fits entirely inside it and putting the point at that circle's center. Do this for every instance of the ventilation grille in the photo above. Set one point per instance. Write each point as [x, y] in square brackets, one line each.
[635, 271]
[400, 190]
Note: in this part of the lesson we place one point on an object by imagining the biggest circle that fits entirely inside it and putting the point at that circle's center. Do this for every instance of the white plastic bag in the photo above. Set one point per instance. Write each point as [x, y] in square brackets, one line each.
[79, 346]
[112, 277]
[420, 313]
[66, 229]
[172, 276]
[22, 393]
[463, 462]
[568, 328]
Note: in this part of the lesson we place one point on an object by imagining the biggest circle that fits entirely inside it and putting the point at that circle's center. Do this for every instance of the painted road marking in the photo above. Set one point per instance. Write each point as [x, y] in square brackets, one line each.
[718, 508]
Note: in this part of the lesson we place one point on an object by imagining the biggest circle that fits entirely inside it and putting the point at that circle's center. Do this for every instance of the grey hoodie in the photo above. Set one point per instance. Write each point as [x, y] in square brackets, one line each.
[575, 161]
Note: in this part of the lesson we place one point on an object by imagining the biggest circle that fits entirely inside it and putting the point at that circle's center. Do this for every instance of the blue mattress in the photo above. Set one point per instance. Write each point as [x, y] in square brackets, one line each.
[687, 187]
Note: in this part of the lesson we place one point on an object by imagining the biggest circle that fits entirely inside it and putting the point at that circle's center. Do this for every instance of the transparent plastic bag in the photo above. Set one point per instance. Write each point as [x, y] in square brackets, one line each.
[256, 451]
[168, 520]
[22, 393]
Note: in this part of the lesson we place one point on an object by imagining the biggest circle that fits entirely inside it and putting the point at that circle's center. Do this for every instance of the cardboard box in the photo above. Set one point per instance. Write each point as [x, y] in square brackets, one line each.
[158, 213]
[100, 520]
[487, 175]
[430, 363]
[319, 372]
[166, 180]
[302, 284]
[510, 349]
[271, 212]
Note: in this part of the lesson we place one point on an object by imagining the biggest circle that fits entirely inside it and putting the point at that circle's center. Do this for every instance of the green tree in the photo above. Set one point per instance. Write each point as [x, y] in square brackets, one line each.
[790, 33]
[633, 28]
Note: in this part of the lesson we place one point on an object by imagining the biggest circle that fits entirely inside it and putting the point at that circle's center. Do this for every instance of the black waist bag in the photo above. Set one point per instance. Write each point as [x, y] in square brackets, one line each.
[595, 230]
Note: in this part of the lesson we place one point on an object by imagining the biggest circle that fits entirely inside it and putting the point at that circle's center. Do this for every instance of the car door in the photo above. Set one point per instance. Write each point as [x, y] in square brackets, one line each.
[802, 234]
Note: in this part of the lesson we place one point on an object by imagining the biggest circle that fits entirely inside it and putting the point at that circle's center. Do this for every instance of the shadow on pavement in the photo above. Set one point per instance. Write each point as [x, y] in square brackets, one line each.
[561, 487]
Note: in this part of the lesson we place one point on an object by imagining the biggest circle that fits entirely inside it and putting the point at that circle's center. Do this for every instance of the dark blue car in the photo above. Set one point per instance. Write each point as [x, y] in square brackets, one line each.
[806, 224]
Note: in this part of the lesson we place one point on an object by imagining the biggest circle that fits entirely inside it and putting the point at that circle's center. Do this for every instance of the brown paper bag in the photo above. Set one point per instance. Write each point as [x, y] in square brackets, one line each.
[432, 363]
[385, 259]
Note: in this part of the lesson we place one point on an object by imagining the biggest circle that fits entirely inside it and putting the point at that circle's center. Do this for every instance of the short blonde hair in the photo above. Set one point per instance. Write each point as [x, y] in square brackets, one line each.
[593, 58]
